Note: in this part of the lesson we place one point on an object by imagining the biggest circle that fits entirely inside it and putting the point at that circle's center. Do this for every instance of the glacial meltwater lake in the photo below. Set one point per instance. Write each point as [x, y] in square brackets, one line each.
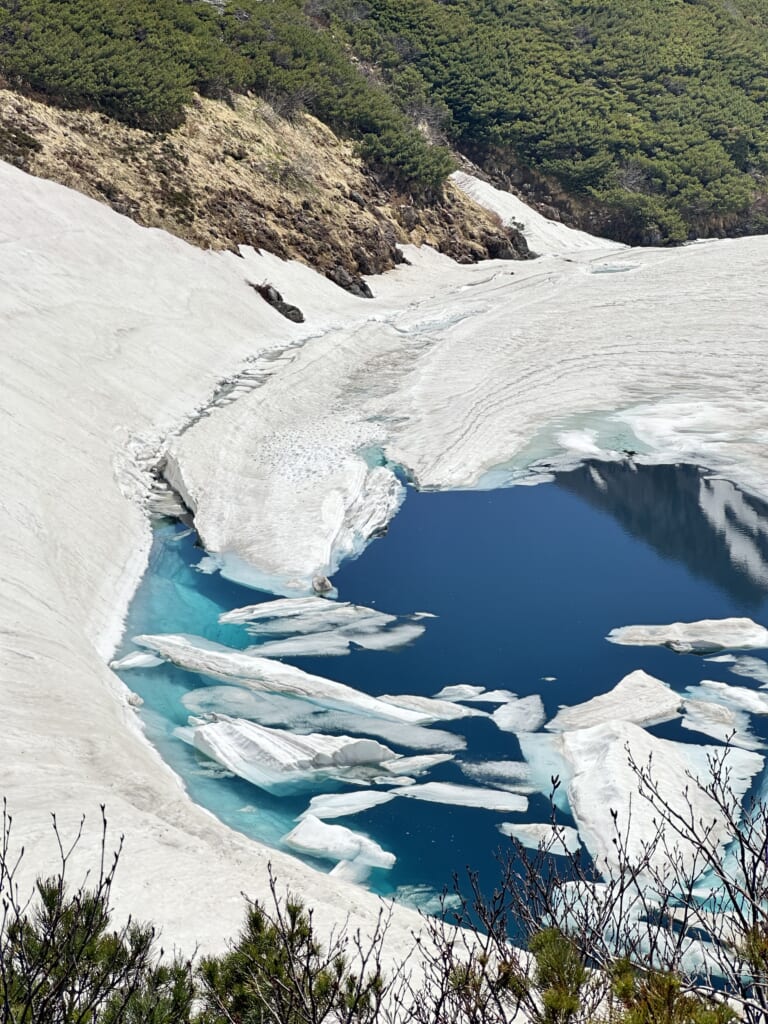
[524, 584]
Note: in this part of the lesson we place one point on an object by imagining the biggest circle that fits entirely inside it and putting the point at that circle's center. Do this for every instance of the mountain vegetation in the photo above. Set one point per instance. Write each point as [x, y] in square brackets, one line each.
[646, 120]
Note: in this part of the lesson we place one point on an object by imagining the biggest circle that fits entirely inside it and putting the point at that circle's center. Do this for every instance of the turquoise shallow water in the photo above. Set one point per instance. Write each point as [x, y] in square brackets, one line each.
[525, 584]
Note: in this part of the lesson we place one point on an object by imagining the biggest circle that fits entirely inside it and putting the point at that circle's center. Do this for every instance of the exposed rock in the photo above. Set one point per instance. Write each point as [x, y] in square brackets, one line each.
[275, 299]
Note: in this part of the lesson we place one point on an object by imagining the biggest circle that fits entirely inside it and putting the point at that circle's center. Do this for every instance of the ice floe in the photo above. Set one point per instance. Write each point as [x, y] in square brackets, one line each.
[707, 635]
[525, 714]
[512, 775]
[459, 691]
[276, 760]
[598, 779]
[752, 668]
[417, 765]
[313, 626]
[336, 842]
[638, 698]
[465, 796]
[136, 659]
[721, 722]
[229, 665]
[338, 805]
[738, 697]
[558, 839]
[474, 694]
[311, 715]
[431, 709]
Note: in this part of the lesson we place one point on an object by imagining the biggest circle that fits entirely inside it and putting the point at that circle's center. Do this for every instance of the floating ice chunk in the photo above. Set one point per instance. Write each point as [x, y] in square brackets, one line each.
[211, 659]
[638, 698]
[549, 679]
[704, 636]
[426, 899]
[459, 691]
[351, 871]
[466, 796]
[336, 842]
[273, 759]
[603, 781]
[136, 659]
[337, 805]
[432, 710]
[524, 715]
[300, 715]
[495, 697]
[547, 760]
[417, 765]
[720, 722]
[315, 626]
[561, 839]
[751, 668]
[738, 697]
[512, 775]
[393, 780]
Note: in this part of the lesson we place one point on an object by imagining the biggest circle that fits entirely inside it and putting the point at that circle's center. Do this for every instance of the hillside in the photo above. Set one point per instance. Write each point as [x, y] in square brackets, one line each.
[239, 174]
[644, 122]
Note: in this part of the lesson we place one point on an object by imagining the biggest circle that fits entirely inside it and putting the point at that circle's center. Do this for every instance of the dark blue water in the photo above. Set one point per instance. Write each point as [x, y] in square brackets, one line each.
[525, 584]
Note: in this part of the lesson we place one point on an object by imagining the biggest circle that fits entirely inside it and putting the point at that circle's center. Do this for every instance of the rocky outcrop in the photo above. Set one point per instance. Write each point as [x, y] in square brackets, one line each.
[238, 174]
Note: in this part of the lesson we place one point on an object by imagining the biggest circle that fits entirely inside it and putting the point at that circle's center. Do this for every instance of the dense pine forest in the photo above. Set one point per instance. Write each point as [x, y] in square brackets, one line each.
[648, 119]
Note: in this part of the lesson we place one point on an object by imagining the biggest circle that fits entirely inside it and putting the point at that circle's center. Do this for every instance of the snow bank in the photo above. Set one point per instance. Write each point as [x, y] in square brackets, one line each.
[544, 236]
[638, 698]
[695, 637]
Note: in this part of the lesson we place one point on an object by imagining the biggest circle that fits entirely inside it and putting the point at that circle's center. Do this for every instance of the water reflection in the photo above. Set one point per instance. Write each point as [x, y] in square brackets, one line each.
[718, 531]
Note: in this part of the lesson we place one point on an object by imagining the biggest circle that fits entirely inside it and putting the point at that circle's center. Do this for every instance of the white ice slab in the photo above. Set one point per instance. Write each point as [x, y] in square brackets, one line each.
[721, 722]
[465, 796]
[432, 710]
[523, 715]
[561, 839]
[136, 659]
[335, 842]
[311, 715]
[738, 697]
[229, 665]
[512, 775]
[274, 759]
[417, 765]
[460, 691]
[312, 626]
[695, 637]
[603, 781]
[751, 668]
[638, 698]
[338, 805]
